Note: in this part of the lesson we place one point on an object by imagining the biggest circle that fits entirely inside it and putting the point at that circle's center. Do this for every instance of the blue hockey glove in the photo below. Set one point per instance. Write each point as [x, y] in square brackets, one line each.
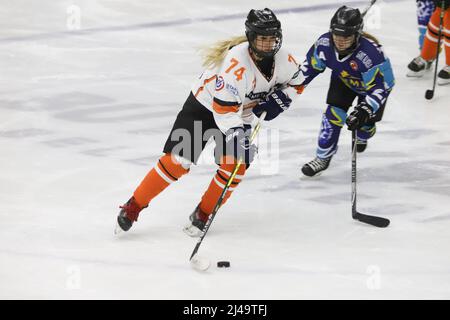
[275, 104]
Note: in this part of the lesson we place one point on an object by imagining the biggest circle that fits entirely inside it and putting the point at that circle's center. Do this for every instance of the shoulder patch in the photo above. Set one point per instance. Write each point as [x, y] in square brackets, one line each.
[220, 83]
[365, 59]
[323, 42]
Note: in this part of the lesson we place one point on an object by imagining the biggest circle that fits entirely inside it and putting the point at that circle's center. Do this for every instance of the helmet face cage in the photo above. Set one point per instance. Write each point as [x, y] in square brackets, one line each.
[251, 36]
[263, 23]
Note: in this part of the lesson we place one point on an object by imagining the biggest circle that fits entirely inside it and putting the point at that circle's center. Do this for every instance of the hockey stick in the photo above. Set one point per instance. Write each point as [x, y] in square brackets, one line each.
[196, 262]
[430, 93]
[372, 220]
[368, 8]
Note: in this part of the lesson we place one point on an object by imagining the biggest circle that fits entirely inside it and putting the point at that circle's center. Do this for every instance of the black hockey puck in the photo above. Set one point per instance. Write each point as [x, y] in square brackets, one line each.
[223, 264]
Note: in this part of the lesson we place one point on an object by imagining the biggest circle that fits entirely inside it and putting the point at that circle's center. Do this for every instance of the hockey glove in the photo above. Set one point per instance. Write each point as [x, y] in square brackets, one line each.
[359, 116]
[237, 141]
[275, 103]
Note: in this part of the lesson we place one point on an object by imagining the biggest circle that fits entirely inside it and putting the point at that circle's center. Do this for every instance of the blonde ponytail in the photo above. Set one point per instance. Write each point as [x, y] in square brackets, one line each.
[214, 55]
[370, 37]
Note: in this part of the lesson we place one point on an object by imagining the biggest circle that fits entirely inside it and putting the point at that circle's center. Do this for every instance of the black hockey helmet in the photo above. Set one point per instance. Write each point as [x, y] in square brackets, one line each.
[264, 23]
[346, 22]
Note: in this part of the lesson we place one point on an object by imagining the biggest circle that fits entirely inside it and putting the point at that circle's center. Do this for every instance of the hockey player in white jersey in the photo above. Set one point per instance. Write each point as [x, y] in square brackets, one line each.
[244, 77]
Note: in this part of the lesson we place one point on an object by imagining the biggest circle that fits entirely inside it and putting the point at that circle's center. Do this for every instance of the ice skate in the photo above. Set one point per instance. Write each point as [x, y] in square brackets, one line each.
[316, 166]
[417, 67]
[443, 77]
[361, 145]
[198, 221]
[128, 214]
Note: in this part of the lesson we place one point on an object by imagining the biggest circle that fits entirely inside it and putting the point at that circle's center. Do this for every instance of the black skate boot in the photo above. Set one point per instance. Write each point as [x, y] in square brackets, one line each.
[444, 76]
[417, 67]
[316, 166]
[361, 145]
[128, 214]
[198, 221]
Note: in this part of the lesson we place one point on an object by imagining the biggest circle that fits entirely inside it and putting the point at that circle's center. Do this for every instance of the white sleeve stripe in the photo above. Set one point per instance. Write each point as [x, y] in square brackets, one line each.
[373, 103]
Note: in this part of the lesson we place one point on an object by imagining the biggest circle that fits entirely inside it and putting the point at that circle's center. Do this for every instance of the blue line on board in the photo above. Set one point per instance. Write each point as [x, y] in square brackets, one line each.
[177, 22]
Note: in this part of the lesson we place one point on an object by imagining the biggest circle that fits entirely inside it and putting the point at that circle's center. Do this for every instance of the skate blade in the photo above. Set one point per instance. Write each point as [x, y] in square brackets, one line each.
[118, 230]
[305, 177]
[443, 82]
[192, 231]
[200, 263]
[412, 74]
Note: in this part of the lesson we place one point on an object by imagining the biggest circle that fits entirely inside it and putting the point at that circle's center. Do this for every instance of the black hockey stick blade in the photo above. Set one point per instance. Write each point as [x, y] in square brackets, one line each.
[429, 94]
[372, 220]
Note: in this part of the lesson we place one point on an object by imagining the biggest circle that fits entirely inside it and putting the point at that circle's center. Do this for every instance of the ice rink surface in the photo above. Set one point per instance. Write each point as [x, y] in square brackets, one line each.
[84, 115]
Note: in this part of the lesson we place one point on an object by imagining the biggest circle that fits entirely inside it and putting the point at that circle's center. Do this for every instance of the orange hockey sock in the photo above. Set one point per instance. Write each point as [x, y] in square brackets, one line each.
[447, 51]
[431, 37]
[212, 194]
[447, 36]
[166, 171]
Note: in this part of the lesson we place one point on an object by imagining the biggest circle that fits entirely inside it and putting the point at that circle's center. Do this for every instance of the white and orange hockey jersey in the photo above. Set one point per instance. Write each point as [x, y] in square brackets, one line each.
[232, 89]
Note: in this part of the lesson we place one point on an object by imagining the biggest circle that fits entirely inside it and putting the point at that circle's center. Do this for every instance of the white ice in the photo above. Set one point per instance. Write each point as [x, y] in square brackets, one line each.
[84, 116]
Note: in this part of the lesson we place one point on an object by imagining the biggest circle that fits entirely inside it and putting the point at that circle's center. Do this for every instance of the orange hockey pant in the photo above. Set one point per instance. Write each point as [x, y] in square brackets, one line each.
[431, 37]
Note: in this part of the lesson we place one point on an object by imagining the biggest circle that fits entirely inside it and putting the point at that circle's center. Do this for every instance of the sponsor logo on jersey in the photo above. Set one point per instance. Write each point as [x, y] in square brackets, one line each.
[354, 83]
[364, 58]
[232, 89]
[344, 74]
[255, 96]
[354, 65]
[220, 83]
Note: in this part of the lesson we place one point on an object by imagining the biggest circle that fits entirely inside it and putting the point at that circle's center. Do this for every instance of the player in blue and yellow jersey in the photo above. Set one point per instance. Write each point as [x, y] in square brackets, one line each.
[425, 9]
[359, 70]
